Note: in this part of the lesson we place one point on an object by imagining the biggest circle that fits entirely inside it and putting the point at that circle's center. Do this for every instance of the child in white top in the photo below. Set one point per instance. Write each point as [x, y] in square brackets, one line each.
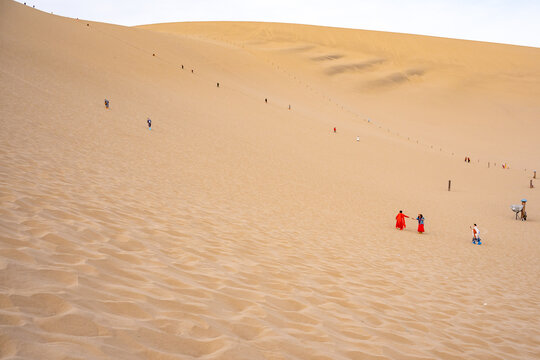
[476, 235]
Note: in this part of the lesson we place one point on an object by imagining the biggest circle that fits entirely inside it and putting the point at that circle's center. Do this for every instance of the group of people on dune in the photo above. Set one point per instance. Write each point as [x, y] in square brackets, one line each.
[400, 225]
[400, 221]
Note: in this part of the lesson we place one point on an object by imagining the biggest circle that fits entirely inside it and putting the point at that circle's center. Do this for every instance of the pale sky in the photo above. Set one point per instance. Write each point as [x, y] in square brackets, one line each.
[504, 21]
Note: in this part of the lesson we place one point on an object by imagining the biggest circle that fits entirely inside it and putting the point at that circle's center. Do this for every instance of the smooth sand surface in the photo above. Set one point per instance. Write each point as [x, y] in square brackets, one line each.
[240, 229]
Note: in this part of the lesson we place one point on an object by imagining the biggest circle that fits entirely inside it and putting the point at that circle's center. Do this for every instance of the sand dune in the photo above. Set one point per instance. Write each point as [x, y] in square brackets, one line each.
[443, 91]
[239, 229]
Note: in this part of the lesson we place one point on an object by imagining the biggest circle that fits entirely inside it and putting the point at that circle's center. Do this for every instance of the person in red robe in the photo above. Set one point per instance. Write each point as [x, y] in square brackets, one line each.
[400, 220]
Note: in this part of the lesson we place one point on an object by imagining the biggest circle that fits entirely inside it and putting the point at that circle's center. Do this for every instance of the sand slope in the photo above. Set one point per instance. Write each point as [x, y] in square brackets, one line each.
[239, 229]
[443, 92]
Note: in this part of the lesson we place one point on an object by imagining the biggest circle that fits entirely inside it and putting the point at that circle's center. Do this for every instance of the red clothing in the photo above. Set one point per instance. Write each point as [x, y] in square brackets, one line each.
[400, 221]
[420, 228]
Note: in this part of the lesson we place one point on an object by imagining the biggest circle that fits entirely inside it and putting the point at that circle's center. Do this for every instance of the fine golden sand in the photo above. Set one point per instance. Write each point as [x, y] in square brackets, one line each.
[238, 228]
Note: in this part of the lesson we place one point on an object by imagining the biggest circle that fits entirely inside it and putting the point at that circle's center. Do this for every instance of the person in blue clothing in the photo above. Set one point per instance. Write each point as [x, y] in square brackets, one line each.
[420, 219]
[106, 104]
[476, 235]
[149, 124]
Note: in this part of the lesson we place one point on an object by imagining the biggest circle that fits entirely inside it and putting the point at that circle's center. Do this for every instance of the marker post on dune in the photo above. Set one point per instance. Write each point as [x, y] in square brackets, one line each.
[534, 176]
[449, 184]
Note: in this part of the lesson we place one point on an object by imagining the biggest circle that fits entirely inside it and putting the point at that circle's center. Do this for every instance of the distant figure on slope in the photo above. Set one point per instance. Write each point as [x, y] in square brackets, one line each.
[358, 138]
[106, 104]
[400, 220]
[149, 124]
[420, 219]
[523, 212]
[334, 130]
[266, 100]
[476, 235]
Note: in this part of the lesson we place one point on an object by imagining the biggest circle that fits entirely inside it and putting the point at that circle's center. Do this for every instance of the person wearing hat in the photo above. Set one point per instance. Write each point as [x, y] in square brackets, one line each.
[523, 212]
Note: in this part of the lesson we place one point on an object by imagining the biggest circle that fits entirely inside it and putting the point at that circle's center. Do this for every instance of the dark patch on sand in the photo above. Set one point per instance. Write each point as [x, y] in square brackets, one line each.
[359, 66]
[297, 49]
[397, 78]
[328, 57]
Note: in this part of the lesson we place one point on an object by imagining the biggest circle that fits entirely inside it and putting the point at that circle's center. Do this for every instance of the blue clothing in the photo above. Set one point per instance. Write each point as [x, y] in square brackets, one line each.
[420, 220]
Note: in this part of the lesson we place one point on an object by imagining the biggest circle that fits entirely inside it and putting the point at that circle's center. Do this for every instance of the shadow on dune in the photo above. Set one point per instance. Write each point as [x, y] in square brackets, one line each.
[297, 49]
[360, 66]
[396, 78]
[327, 57]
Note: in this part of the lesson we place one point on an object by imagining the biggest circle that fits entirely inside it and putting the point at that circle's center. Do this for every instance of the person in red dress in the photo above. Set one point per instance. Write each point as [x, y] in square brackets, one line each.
[400, 220]
[420, 219]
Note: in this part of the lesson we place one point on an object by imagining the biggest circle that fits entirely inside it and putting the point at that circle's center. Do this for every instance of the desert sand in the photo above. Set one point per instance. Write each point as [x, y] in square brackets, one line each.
[239, 229]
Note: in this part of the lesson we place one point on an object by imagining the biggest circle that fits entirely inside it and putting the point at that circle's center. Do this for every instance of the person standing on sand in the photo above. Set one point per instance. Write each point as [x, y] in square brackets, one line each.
[420, 219]
[476, 235]
[400, 220]
[106, 104]
[523, 212]
[334, 130]
[149, 124]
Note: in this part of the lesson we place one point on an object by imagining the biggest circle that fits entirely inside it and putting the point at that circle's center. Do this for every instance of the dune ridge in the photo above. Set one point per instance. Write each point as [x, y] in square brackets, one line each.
[392, 77]
[239, 229]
